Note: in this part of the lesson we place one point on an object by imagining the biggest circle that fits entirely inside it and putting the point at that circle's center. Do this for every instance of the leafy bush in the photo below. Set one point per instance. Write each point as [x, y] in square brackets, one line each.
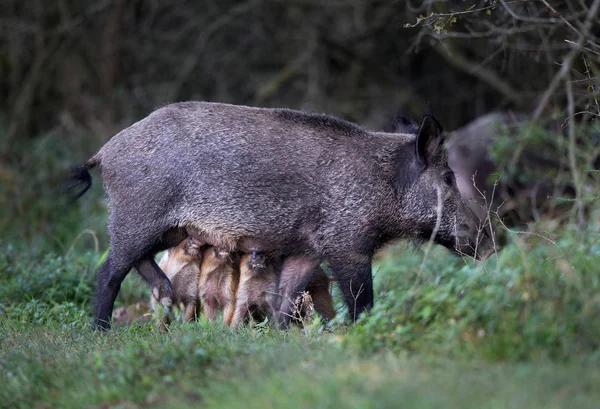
[53, 279]
[536, 299]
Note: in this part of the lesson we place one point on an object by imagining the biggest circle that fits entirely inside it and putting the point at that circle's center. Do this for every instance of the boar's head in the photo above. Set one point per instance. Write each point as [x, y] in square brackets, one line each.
[432, 206]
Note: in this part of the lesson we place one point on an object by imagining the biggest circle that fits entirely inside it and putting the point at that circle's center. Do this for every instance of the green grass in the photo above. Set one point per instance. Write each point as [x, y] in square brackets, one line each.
[520, 330]
[53, 366]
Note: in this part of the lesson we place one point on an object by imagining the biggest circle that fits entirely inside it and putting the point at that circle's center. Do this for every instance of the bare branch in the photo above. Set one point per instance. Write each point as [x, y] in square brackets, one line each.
[485, 75]
[468, 11]
[196, 52]
[525, 18]
[572, 160]
[566, 21]
[567, 62]
[591, 83]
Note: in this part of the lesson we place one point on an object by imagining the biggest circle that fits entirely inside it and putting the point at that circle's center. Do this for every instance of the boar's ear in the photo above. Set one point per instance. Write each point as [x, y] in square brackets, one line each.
[401, 124]
[429, 137]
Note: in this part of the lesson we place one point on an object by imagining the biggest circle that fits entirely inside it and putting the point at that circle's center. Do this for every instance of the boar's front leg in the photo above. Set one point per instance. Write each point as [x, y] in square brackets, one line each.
[355, 279]
[296, 272]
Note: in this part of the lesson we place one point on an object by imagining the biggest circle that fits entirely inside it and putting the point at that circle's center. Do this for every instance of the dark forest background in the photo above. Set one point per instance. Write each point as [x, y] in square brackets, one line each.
[73, 73]
[100, 65]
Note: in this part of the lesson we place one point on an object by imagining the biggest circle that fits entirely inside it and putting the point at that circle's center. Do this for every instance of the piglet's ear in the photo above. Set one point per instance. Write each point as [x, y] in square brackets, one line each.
[429, 137]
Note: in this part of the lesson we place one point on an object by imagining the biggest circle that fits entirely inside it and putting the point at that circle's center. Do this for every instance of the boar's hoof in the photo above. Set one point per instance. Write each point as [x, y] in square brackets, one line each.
[282, 318]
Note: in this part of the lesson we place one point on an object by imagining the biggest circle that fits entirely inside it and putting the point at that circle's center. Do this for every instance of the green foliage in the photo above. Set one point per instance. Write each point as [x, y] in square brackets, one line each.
[335, 380]
[536, 150]
[518, 328]
[215, 367]
[535, 300]
[53, 279]
[36, 217]
[53, 288]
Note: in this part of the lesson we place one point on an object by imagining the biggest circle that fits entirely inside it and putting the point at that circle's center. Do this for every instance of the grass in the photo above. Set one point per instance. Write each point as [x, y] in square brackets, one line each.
[517, 331]
[209, 366]
[511, 332]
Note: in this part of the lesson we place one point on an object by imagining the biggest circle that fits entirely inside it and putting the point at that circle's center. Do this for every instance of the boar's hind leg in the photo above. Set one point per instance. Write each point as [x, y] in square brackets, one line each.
[353, 275]
[295, 275]
[110, 277]
[121, 258]
[112, 274]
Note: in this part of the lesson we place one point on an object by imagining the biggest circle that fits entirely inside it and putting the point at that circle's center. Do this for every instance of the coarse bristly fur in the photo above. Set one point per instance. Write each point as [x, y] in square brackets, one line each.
[258, 291]
[306, 186]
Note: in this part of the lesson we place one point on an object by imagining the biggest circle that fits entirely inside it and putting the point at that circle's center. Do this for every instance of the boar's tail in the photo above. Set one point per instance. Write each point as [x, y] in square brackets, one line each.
[81, 179]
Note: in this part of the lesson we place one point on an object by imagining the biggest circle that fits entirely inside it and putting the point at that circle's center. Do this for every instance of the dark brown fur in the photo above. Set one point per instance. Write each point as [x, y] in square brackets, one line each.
[258, 292]
[514, 197]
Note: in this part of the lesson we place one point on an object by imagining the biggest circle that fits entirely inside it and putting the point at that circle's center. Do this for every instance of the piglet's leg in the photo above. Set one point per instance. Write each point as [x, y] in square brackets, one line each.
[190, 311]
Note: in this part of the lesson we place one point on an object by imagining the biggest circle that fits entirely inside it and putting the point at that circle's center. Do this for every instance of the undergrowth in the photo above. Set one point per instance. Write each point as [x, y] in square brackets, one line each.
[536, 299]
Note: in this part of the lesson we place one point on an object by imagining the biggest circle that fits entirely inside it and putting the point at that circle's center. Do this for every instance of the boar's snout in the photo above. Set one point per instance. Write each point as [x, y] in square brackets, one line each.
[472, 238]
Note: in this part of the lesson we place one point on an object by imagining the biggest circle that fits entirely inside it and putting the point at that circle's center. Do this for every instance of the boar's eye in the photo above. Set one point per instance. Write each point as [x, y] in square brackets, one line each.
[449, 179]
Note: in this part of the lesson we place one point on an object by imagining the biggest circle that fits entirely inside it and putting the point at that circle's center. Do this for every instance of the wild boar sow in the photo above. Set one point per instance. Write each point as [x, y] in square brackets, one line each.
[308, 187]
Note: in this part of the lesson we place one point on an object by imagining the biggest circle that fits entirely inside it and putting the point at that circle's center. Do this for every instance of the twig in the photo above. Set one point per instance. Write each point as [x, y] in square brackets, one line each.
[461, 13]
[589, 50]
[485, 75]
[80, 235]
[525, 18]
[567, 61]
[529, 233]
[556, 13]
[355, 297]
[591, 83]
[434, 233]
[572, 161]
[488, 211]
